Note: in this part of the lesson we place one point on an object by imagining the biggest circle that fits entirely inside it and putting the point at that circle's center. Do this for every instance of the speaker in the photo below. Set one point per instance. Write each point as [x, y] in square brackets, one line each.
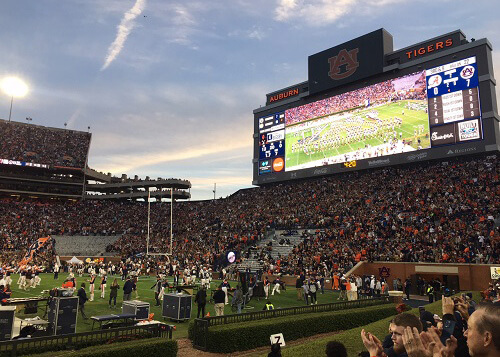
[177, 306]
[62, 315]
[6, 322]
[139, 308]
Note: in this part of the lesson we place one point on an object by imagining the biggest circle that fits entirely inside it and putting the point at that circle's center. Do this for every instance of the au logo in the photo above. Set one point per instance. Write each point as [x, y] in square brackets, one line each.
[384, 272]
[344, 64]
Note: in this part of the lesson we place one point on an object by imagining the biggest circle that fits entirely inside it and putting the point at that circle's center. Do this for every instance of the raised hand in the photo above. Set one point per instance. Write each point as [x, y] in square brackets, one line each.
[414, 346]
[372, 344]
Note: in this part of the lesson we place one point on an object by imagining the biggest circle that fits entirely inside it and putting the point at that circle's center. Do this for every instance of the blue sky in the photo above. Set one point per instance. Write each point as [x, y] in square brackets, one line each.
[168, 87]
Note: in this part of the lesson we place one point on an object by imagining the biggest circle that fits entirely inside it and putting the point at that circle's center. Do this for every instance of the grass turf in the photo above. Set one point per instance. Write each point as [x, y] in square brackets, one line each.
[287, 298]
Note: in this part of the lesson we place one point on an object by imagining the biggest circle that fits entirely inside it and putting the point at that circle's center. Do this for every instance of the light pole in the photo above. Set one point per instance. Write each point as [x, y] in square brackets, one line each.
[14, 87]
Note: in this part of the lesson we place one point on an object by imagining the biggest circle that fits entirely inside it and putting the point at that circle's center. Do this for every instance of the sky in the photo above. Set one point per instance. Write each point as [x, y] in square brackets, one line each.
[168, 88]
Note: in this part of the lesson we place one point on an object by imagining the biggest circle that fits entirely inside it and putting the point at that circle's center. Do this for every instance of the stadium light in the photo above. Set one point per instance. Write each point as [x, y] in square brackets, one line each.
[14, 87]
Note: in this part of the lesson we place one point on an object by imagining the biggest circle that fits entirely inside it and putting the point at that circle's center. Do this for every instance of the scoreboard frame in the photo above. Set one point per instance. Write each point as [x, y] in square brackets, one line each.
[433, 54]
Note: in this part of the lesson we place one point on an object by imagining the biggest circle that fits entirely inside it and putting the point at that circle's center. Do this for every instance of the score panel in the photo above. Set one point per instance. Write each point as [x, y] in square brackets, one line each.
[453, 102]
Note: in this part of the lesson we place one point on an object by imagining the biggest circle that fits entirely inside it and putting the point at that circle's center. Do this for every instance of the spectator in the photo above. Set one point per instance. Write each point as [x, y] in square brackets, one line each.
[275, 350]
[113, 292]
[237, 299]
[201, 300]
[397, 326]
[128, 287]
[335, 349]
[298, 287]
[483, 332]
[82, 299]
[219, 301]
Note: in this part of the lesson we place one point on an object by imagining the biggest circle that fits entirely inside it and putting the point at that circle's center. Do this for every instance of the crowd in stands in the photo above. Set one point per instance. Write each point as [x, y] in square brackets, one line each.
[439, 213]
[434, 212]
[414, 88]
[41, 145]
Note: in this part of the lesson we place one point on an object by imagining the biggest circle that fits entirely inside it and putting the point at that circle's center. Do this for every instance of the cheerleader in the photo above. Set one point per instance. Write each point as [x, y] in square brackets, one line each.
[91, 286]
[36, 279]
[22, 278]
[267, 284]
[103, 285]
[28, 279]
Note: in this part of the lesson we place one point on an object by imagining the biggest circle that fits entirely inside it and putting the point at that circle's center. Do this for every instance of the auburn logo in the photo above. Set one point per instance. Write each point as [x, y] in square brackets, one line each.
[384, 272]
[346, 59]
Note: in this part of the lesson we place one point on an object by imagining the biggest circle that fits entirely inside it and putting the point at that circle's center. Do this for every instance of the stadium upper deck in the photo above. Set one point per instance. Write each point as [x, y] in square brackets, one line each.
[38, 161]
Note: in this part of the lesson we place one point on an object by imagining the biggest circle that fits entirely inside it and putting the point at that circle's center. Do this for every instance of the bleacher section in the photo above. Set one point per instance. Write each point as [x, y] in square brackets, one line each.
[91, 246]
[278, 250]
[282, 249]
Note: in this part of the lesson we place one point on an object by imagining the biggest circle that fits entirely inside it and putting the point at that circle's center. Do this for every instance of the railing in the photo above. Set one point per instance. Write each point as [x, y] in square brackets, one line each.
[85, 339]
[201, 325]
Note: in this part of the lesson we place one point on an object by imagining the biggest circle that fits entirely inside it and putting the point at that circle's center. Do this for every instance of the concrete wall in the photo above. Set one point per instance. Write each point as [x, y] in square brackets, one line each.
[470, 276]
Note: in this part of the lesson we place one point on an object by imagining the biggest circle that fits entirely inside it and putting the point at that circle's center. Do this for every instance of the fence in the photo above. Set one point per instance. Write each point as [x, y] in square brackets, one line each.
[85, 339]
[200, 328]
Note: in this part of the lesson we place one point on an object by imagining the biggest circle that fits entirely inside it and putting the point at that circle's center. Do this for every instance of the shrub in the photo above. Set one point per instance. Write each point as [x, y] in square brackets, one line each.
[247, 335]
[147, 347]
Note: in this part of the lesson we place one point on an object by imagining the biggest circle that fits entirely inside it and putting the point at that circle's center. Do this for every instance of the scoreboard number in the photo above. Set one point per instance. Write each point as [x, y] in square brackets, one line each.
[452, 92]
[349, 164]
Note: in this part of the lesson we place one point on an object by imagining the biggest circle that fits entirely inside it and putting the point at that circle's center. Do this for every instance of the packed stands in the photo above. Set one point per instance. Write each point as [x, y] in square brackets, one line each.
[432, 212]
[41, 145]
[89, 246]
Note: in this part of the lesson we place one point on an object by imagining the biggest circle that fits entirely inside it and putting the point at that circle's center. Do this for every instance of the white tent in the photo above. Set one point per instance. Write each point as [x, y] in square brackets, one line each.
[75, 260]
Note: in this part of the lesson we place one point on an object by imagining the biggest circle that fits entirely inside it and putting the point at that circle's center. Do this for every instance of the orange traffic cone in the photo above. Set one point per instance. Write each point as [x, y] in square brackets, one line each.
[208, 314]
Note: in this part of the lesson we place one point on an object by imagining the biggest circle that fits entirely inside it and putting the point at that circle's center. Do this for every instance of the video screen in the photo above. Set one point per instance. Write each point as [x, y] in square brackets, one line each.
[382, 119]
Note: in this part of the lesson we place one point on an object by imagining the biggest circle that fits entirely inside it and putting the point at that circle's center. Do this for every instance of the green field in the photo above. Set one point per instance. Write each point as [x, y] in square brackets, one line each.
[411, 120]
[100, 306]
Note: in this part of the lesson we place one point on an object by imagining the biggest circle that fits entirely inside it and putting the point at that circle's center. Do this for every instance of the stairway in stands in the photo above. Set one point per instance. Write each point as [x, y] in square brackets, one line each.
[282, 250]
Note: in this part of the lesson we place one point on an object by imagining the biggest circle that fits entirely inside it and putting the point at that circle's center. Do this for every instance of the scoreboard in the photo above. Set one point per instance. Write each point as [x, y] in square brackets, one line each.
[414, 109]
[454, 106]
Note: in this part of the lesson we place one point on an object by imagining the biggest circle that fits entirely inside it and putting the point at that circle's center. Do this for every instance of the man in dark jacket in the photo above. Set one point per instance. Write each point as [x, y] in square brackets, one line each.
[219, 299]
[298, 287]
[201, 300]
[127, 289]
[82, 299]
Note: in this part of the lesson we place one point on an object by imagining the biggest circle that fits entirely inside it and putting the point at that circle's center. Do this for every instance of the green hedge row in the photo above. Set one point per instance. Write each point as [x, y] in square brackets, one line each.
[351, 338]
[153, 347]
[247, 335]
[27, 349]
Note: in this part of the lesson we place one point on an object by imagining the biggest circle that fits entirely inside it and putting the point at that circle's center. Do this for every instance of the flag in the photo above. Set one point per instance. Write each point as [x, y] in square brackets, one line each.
[35, 247]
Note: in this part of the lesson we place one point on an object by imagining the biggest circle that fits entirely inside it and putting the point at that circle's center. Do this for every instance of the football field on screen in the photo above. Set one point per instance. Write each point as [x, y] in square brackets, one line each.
[412, 120]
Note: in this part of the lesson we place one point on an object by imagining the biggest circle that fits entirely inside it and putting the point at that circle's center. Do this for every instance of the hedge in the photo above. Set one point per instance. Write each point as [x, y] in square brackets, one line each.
[351, 338]
[247, 335]
[75, 345]
[158, 346]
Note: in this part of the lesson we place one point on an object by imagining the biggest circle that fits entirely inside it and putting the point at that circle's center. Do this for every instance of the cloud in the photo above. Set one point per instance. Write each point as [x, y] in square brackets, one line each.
[285, 9]
[323, 12]
[126, 26]
[130, 162]
[256, 33]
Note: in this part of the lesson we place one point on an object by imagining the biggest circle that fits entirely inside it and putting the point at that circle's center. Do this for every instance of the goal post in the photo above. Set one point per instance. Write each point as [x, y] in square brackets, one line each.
[167, 255]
